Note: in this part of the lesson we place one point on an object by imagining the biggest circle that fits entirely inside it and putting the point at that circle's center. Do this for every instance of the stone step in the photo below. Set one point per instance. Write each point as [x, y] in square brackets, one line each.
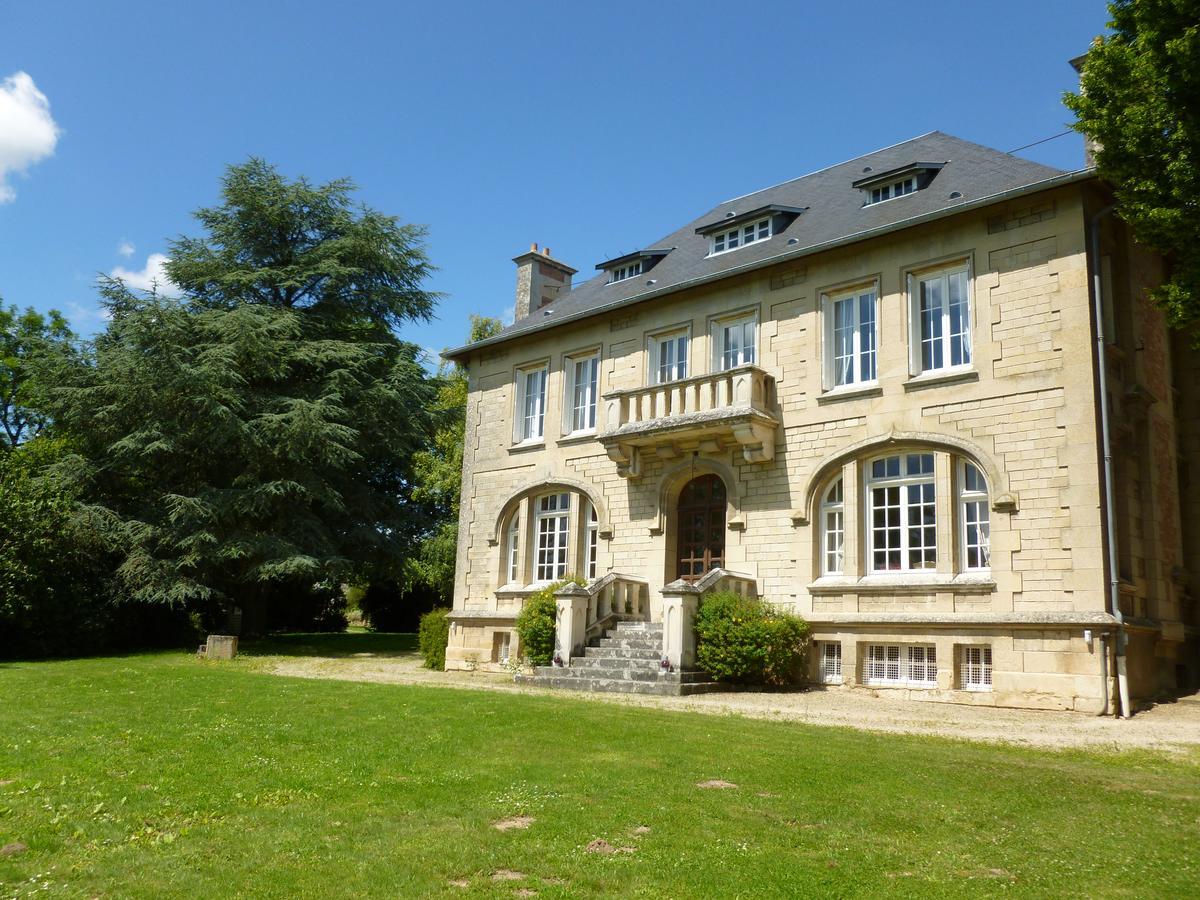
[586, 669]
[619, 686]
[623, 652]
[630, 643]
[639, 626]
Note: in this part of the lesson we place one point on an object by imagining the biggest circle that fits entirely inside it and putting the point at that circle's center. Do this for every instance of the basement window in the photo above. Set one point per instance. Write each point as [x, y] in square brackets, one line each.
[901, 665]
[831, 662]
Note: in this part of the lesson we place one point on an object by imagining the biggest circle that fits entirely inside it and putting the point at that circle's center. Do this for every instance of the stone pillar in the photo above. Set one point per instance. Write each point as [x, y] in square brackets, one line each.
[680, 602]
[221, 646]
[570, 621]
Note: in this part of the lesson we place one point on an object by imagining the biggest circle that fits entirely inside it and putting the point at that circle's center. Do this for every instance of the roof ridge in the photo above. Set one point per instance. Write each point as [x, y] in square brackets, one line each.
[833, 166]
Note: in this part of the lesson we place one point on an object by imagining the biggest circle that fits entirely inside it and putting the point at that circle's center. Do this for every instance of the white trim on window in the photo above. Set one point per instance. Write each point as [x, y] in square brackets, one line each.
[901, 520]
[621, 273]
[667, 355]
[512, 550]
[591, 543]
[940, 320]
[883, 193]
[734, 341]
[975, 668]
[975, 517]
[851, 337]
[830, 662]
[551, 520]
[833, 530]
[530, 418]
[750, 233]
[582, 394]
[900, 665]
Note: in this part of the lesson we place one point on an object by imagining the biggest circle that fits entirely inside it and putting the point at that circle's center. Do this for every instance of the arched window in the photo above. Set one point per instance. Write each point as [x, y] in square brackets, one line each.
[833, 526]
[976, 526]
[551, 515]
[512, 550]
[592, 541]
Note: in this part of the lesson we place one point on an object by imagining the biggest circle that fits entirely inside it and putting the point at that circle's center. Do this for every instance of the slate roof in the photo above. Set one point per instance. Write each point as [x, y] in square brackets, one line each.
[834, 214]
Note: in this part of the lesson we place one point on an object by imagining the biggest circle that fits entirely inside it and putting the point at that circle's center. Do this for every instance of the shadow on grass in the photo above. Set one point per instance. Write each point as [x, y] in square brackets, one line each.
[353, 643]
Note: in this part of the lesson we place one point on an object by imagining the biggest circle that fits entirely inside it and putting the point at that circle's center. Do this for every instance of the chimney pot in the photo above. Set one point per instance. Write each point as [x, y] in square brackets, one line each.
[533, 247]
[545, 251]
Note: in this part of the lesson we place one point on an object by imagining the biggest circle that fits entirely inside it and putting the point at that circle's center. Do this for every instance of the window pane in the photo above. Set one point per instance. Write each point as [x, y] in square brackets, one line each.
[932, 299]
[843, 341]
[960, 328]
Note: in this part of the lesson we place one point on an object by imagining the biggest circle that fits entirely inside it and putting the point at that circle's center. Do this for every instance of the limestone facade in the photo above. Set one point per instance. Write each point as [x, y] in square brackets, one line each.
[1022, 621]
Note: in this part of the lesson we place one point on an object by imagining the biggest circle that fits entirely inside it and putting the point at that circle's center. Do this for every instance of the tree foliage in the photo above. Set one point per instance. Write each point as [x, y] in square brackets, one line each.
[743, 640]
[1140, 101]
[256, 435]
[29, 342]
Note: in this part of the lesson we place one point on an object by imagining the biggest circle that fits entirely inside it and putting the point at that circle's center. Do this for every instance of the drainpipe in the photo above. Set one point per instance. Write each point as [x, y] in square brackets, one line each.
[1110, 531]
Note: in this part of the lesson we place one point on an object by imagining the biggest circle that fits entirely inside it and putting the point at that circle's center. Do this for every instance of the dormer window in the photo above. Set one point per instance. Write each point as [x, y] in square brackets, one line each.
[628, 270]
[725, 241]
[735, 230]
[879, 187]
[891, 191]
[631, 265]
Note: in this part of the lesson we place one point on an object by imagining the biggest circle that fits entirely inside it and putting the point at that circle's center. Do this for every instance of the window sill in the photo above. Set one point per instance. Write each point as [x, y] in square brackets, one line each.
[578, 437]
[525, 446]
[854, 392]
[905, 583]
[940, 377]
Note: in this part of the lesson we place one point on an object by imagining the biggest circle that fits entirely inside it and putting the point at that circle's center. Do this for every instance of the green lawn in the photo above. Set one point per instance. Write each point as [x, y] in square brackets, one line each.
[161, 775]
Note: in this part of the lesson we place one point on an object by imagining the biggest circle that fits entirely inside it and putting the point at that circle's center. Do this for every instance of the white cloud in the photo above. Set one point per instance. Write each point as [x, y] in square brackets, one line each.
[27, 131]
[153, 274]
[86, 320]
[125, 248]
[508, 315]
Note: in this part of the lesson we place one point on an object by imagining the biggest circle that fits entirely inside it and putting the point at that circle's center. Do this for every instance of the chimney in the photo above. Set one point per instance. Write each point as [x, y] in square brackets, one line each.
[540, 280]
[1090, 146]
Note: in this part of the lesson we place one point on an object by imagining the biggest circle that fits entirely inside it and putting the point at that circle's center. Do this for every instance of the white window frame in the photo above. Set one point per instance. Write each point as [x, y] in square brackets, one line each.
[512, 550]
[830, 662]
[591, 541]
[581, 399]
[625, 272]
[833, 529]
[895, 665]
[678, 369]
[973, 510]
[551, 534]
[863, 359]
[902, 482]
[892, 191]
[529, 420]
[746, 354]
[946, 341]
[975, 668]
[743, 235]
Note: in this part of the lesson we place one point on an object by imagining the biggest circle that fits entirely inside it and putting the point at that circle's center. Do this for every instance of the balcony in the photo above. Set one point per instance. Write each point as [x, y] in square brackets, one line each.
[705, 413]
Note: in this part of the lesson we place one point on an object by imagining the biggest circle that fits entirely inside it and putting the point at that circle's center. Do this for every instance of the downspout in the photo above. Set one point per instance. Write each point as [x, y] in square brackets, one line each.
[1110, 530]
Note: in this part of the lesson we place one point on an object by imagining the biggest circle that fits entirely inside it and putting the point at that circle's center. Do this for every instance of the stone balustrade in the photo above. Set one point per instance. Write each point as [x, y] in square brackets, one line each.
[584, 611]
[681, 600]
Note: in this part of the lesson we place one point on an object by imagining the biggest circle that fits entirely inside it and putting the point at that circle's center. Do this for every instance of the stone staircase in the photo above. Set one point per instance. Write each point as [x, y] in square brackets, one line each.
[625, 661]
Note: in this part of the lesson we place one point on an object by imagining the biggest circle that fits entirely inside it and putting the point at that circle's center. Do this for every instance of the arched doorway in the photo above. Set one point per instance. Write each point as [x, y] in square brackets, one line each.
[700, 527]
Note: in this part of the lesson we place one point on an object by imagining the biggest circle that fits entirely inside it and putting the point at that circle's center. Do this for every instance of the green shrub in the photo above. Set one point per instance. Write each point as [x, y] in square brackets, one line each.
[432, 635]
[745, 641]
[535, 623]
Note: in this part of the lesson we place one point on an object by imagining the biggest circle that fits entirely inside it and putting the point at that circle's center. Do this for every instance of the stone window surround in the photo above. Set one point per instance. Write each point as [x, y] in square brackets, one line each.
[911, 281]
[826, 297]
[518, 402]
[671, 332]
[717, 321]
[567, 406]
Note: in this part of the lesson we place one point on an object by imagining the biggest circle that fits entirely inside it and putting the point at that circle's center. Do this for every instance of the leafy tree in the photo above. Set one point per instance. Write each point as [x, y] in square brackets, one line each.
[438, 472]
[1140, 101]
[28, 341]
[254, 437]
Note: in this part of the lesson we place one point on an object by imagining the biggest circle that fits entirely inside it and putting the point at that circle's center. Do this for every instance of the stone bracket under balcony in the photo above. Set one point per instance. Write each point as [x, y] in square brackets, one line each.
[706, 413]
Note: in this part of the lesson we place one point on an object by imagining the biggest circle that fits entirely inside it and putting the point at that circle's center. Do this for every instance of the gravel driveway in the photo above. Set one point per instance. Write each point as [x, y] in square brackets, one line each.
[1167, 726]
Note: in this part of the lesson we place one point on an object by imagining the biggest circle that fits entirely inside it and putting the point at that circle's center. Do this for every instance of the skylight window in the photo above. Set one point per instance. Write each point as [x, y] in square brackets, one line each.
[629, 270]
[724, 241]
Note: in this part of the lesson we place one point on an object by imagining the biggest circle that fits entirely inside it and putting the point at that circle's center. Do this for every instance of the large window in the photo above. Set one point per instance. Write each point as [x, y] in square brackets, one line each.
[850, 338]
[976, 530]
[901, 495]
[901, 665]
[735, 342]
[584, 379]
[531, 403]
[552, 527]
[668, 354]
[941, 320]
[741, 236]
[834, 528]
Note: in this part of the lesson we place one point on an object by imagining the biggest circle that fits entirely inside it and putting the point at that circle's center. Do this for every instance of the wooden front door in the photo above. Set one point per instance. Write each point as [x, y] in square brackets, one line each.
[701, 527]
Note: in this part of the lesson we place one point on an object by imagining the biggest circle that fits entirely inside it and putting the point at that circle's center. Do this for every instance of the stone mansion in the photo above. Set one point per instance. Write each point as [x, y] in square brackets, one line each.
[919, 398]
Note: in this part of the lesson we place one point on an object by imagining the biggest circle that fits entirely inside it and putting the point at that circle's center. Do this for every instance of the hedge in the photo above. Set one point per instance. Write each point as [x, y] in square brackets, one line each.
[745, 641]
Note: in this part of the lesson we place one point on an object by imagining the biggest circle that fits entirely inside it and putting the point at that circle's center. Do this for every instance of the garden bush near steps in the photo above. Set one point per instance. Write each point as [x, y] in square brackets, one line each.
[432, 634]
[535, 623]
[746, 641]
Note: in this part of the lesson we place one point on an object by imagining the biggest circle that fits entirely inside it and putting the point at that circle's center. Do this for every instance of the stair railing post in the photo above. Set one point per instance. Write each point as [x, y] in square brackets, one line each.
[570, 624]
[680, 602]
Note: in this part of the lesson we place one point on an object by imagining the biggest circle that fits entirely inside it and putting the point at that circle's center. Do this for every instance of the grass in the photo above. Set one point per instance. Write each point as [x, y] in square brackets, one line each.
[161, 775]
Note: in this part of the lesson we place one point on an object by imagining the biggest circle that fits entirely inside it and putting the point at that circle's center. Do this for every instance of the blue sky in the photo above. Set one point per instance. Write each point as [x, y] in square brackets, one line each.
[592, 128]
